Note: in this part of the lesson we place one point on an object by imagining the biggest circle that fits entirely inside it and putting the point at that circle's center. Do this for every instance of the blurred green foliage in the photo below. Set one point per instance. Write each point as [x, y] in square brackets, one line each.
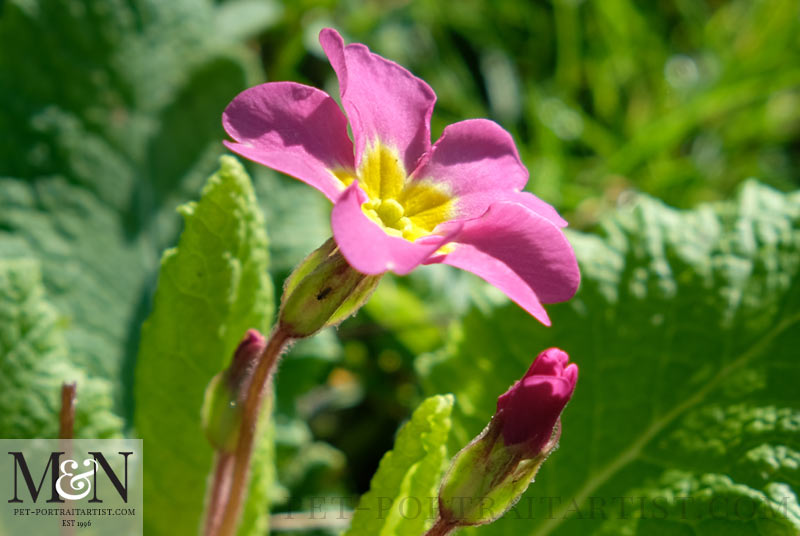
[685, 331]
[682, 100]
[111, 119]
[35, 362]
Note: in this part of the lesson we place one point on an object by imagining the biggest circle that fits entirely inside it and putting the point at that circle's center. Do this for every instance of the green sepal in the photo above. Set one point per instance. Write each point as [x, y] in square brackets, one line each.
[322, 291]
[357, 298]
[486, 478]
[308, 265]
[221, 414]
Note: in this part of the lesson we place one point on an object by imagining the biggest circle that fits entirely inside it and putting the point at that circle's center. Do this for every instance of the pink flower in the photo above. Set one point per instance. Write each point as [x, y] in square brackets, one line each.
[530, 409]
[398, 201]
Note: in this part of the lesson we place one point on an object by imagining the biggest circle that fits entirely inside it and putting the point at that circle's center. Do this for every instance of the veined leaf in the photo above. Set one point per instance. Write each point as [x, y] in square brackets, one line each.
[212, 288]
[686, 330]
[401, 498]
[110, 119]
[34, 363]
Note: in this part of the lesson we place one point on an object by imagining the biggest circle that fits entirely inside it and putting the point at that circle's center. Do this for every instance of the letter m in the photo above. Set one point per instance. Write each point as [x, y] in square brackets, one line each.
[21, 466]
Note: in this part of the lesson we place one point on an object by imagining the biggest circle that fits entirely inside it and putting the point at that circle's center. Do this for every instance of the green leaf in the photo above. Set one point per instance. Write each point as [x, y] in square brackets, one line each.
[34, 364]
[212, 288]
[114, 106]
[685, 330]
[399, 501]
[91, 273]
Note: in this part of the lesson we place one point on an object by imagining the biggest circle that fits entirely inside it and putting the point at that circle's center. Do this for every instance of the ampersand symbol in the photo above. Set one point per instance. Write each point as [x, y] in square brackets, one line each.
[79, 482]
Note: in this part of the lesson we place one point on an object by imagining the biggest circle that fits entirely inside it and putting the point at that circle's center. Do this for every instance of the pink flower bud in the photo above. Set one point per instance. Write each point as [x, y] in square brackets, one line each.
[222, 404]
[530, 410]
[497, 472]
[244, 359]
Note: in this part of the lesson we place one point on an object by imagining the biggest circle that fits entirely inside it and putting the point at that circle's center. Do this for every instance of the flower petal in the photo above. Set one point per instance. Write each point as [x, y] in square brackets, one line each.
[571, 374]
[292, 128]
[472, 156]
[550, 362]
[542, 208]
[367, 247]
[521, 253]
[498, 274]
[478, 164]
[382, 99]
[532, 407]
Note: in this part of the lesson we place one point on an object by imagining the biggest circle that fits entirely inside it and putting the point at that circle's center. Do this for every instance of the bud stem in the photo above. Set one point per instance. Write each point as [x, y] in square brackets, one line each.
[442, 527]
[220, 485]
[231, 475]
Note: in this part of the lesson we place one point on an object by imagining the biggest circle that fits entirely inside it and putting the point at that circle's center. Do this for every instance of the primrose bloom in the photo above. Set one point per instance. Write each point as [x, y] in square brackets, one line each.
[398, 201]
[530, 409]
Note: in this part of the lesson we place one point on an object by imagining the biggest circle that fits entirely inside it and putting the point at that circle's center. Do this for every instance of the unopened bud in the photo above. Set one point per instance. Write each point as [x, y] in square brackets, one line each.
[322, 291]
[488, 476]
[222, 406]
[532, 406]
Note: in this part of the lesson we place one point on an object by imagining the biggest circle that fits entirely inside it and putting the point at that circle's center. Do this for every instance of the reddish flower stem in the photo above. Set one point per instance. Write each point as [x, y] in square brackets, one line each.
[240, 470]
[66, 432]
[441, 528]
[66, 418]
[220, 487]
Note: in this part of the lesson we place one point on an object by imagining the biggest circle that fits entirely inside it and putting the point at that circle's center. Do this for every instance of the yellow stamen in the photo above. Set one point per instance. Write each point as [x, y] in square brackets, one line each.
[407, 209]
[390, 211]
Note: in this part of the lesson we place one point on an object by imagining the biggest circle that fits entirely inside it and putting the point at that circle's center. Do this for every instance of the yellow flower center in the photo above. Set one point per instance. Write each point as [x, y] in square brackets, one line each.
[402, 208]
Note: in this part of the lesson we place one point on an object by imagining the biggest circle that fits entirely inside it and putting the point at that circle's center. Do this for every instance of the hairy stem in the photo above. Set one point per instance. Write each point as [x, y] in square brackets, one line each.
[240, 470]
[220, 488]
[442, 527]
